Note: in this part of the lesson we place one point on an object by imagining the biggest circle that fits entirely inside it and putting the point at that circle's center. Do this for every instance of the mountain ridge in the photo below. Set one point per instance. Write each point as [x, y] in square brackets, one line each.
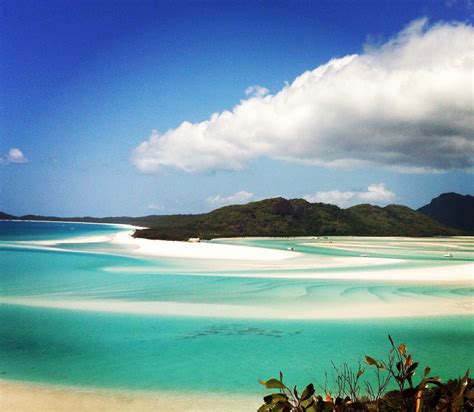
[452, 209]
[278, 217]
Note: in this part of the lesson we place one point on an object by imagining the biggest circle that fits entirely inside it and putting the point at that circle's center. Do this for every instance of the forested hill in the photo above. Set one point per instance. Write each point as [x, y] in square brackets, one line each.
[278, 217]
[452, 209]
[296, 217]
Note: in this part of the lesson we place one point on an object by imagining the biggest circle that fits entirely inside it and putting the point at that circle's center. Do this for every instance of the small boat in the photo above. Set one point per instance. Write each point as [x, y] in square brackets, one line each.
[291, 248]
[448, 254]
[364, 255]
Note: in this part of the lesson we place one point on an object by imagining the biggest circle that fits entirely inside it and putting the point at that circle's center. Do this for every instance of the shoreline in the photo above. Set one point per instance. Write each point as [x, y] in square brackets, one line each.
[122, 225]
[315, 237]
[23, 396]
[233, 258]
[337, 310]
[247, 261]
[198, 250]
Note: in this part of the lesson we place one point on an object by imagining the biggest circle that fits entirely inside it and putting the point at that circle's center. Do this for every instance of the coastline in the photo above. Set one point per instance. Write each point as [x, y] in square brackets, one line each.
[21, 396]
[364, 300]
[122, 225]
[198, 250]
[337, 309]
[241, 261]
[234, 257]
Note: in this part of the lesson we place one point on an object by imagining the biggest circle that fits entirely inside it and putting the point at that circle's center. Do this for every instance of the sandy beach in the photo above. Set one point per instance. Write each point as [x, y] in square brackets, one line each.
[235, 260]
[229, 260]
[337, 308]
[26, 397]
[457, 273]
[198, 250]
[174, 249]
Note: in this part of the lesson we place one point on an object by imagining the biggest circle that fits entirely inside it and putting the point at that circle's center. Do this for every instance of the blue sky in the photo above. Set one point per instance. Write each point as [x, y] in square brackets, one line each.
[84, 83]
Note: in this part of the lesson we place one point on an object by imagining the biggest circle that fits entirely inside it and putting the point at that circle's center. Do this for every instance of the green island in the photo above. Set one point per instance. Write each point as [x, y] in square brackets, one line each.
[279, 217]
[447, 215]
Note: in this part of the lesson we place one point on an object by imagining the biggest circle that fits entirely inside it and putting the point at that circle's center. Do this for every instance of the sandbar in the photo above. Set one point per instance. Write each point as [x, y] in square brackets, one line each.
[198, 250]
[340, 307]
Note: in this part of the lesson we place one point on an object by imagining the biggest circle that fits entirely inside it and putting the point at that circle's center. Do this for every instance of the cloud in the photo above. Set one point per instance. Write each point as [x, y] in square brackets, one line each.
[154, 206]
[375, 194]
[14, 155]
[405, 105]
[236, 198]
[256, 91]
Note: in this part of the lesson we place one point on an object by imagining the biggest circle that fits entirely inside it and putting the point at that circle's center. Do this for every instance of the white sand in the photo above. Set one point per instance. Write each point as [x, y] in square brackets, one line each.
[172, 249]
[244, 260]
[27, 397]
[457, 274]
[198, 250]
[337, 308]
[214, 259]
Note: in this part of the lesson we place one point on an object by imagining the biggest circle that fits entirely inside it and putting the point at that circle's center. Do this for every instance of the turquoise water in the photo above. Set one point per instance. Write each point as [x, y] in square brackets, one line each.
[145, 352]
[98, 349]
[378, 247]
[16, 230]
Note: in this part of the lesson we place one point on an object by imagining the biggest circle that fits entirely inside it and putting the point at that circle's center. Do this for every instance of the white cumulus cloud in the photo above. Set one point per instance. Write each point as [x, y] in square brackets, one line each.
[234, 199]
[14, 155]
[406, 105]
[375, 194]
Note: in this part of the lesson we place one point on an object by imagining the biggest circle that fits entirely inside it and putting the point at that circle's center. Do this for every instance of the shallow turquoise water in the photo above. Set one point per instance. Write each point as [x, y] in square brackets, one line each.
[83, 276]
[378, 247]
[127, 351]
[22, 230]
[145, 352]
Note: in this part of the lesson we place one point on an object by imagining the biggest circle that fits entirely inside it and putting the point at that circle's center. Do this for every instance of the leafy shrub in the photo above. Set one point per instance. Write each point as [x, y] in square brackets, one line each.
[398, 369]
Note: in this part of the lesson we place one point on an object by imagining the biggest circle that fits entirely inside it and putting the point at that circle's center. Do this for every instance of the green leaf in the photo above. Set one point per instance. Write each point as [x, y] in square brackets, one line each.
[295, 392]
[282, 406]
[273, 384]
[275, 397]
[399, 366]
[391, 341]
[312, 408]
[411, 369]
[308, 392]
[308, 403]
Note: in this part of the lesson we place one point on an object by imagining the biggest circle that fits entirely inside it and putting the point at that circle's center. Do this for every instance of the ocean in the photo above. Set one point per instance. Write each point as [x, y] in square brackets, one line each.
[216, 353]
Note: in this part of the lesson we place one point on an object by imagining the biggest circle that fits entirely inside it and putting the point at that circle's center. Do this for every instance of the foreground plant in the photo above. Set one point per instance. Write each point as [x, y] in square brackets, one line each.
[287, 399]
[399, 368]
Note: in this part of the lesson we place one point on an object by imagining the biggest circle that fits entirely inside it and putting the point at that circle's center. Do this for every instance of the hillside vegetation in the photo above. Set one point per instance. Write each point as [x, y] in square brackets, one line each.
[278, 217]
[296, 217]
[452, 209]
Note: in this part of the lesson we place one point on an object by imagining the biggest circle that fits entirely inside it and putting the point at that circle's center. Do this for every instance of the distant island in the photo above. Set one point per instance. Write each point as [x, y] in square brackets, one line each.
[279, 217]
[452, 209]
